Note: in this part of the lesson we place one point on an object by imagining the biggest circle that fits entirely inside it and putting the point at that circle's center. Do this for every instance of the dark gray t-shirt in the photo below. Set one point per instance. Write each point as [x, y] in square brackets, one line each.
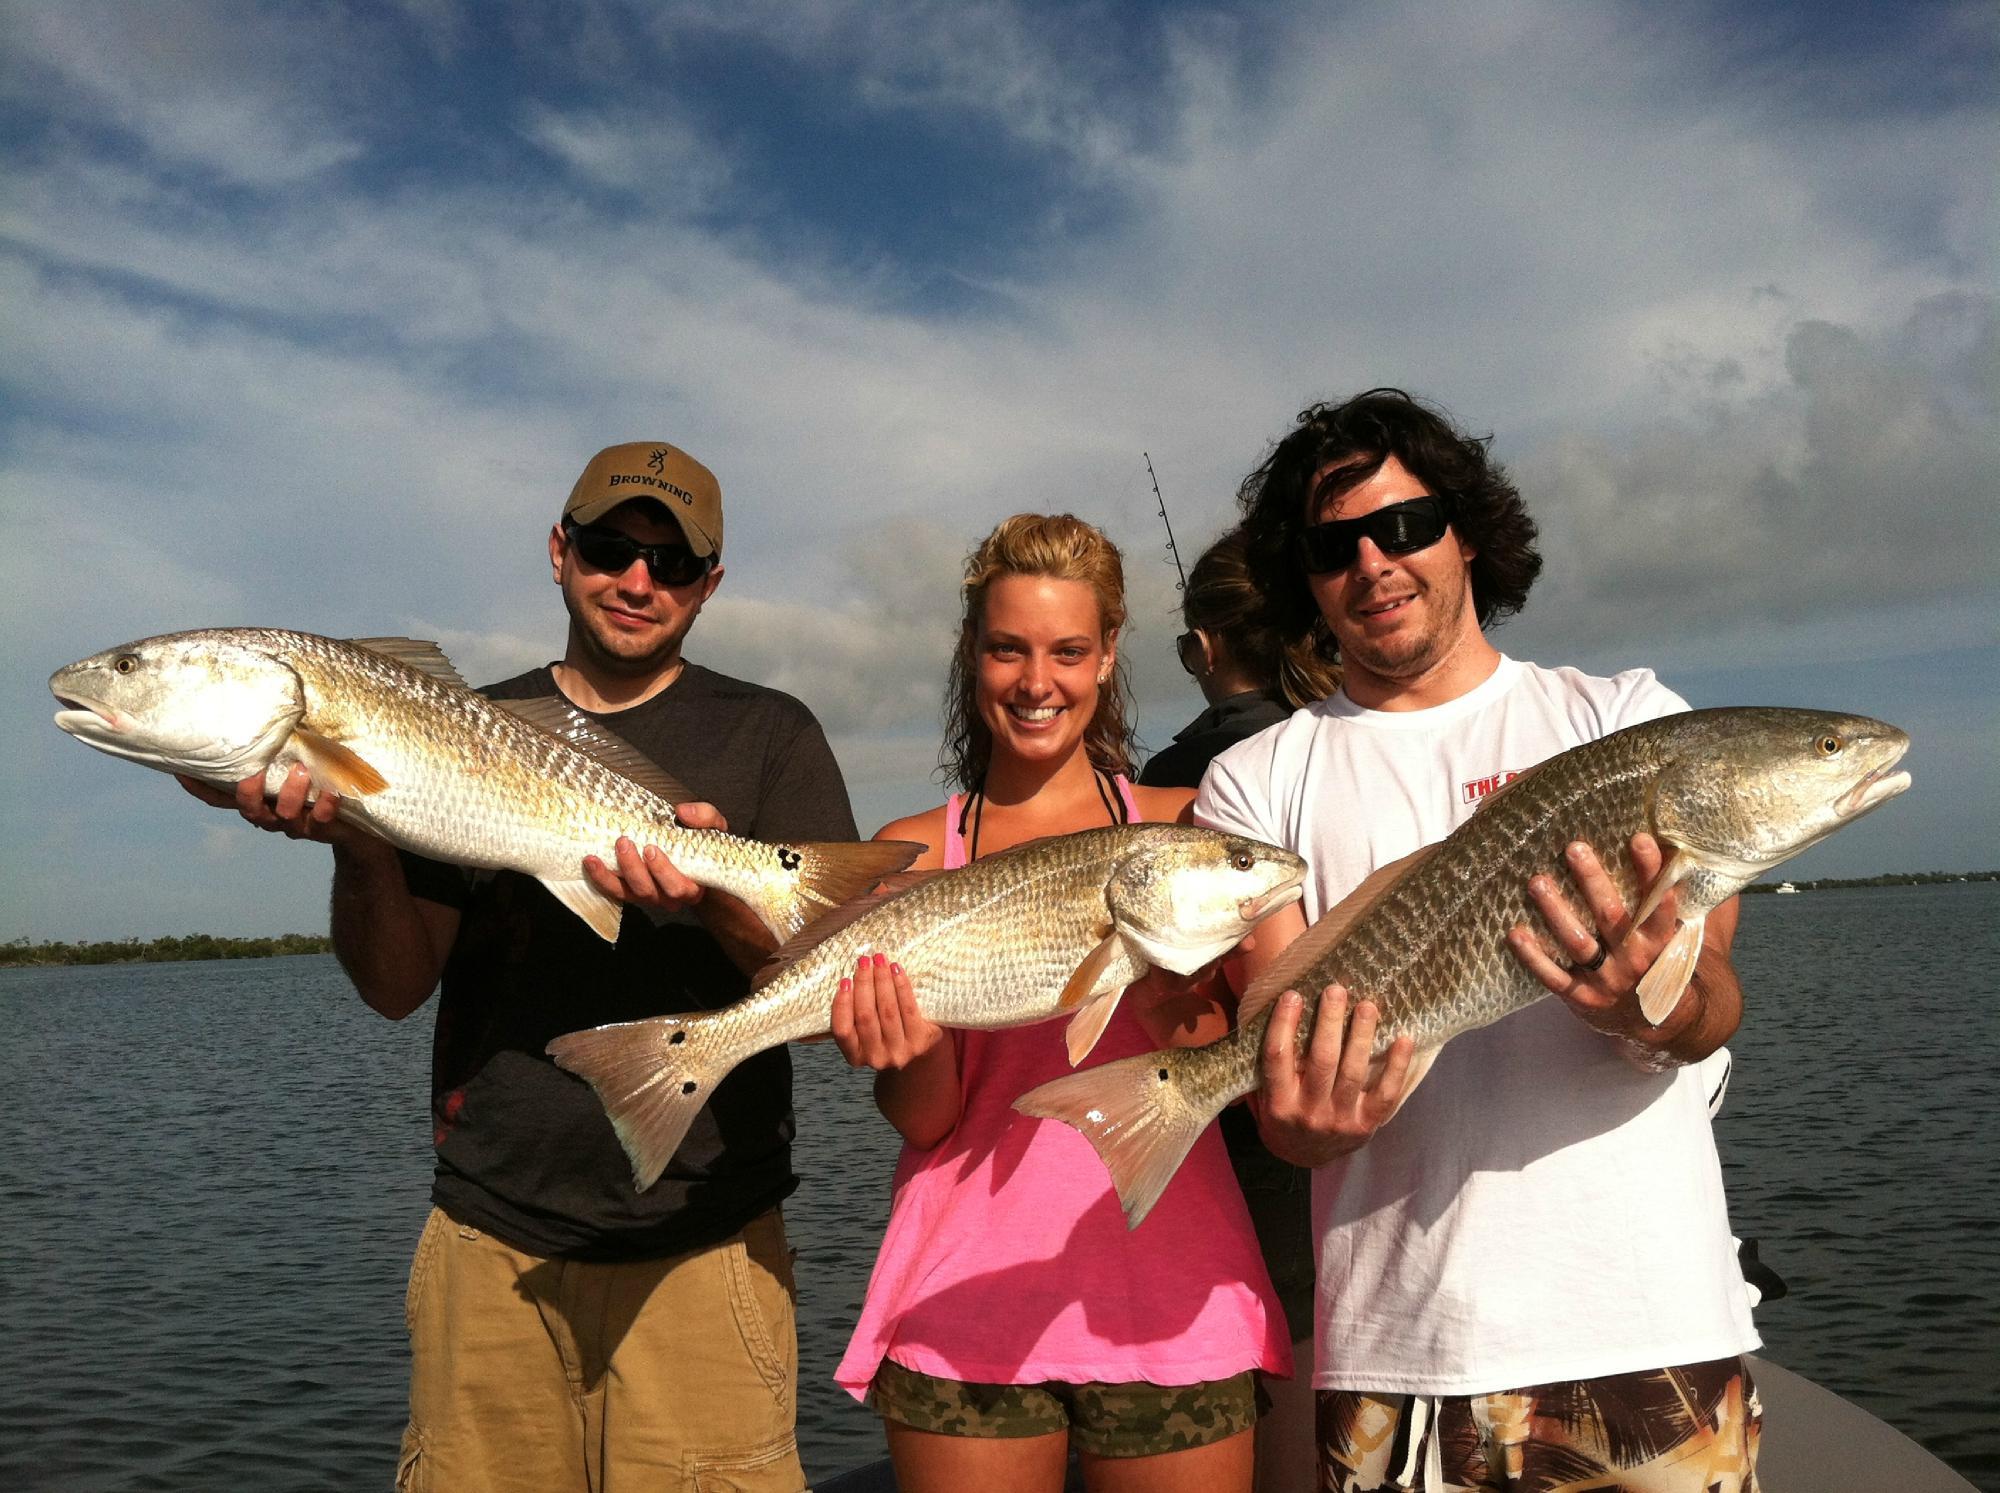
[524, 1150]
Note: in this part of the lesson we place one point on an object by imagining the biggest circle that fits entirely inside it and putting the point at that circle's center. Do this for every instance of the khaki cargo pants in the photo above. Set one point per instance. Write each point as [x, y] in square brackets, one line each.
[560, 1376]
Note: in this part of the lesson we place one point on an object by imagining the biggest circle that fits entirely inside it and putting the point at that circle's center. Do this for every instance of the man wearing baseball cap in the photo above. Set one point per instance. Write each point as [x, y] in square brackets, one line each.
[567, 1331]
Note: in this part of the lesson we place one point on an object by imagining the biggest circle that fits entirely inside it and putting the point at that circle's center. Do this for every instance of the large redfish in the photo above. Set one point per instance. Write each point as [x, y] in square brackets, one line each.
[434, 767]
[1056, 926]
[1727, 793]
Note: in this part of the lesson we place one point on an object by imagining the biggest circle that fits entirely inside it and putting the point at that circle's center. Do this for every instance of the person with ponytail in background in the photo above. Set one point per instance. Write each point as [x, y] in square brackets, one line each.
[1253, 677]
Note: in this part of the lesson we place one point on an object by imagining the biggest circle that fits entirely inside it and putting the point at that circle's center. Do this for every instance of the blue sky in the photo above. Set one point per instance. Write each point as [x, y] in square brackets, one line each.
[313, 313]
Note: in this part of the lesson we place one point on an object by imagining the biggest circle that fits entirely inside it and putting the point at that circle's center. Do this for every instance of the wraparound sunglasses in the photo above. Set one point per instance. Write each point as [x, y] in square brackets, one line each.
[1399, 529]
[609, 550]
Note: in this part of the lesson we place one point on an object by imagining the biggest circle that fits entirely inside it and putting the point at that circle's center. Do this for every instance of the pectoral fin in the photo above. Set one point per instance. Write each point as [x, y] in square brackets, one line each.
[1661, 986]
[1679, 866]
[1084, 1028]
[587, 902]
[1083, 982]
[1088, 995]
[336, 767]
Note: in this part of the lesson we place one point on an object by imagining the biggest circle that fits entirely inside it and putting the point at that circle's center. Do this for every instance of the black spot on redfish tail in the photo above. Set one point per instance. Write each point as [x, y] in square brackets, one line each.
[823, 875]
[652, 1077]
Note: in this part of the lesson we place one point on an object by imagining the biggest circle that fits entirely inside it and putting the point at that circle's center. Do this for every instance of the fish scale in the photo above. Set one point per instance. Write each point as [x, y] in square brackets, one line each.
[474, 785]
[987, 947]
[1002, 942]
[431, 766]
[1728, 794]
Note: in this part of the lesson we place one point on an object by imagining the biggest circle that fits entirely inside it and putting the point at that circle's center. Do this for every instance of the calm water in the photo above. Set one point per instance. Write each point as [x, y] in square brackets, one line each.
[215, 1173]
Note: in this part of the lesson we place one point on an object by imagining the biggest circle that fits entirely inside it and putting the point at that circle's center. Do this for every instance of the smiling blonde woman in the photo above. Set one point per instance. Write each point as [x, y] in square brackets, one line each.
[1011, 1314]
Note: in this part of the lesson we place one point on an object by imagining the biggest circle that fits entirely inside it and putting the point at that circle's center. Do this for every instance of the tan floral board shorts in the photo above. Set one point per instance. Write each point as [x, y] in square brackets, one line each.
[1692, 1429]
[1106, 1420]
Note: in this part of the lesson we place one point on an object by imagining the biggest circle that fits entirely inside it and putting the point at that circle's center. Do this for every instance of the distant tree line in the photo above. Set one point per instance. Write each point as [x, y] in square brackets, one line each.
[1891, 878]
[209, 946]
[162, 950]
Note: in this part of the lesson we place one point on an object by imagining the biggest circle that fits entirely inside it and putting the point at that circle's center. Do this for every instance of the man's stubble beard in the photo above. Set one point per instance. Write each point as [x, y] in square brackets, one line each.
[623, 665]
[1421, 653]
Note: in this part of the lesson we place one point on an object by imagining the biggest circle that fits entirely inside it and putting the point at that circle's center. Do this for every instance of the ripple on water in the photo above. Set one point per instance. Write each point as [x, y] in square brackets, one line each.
[206, 1268]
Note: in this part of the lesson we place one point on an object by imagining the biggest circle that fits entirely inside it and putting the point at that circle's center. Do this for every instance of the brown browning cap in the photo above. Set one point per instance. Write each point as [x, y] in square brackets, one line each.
[652, 469]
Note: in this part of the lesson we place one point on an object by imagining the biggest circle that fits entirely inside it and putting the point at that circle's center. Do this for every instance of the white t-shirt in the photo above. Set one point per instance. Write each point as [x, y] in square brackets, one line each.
[1539, 1210]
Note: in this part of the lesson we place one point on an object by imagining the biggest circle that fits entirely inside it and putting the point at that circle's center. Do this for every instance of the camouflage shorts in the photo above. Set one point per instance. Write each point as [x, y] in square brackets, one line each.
[1106, 1420]
[1692, 1429]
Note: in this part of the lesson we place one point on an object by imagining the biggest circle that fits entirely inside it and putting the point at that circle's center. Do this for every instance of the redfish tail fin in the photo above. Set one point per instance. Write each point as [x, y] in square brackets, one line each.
[1135, 1115]
[828, 874]
[652, 1077]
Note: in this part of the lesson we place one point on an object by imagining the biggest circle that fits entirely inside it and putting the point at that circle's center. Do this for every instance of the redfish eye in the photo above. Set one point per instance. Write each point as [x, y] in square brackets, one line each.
[1242, 860]
[1828, 746]
[125, 663]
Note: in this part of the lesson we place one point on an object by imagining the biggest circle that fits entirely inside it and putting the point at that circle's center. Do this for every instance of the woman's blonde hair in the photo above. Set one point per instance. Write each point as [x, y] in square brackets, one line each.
[1061, 547]
[1223, 600]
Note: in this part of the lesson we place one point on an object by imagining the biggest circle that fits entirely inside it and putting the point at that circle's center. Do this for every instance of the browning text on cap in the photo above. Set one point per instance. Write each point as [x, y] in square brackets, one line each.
[652, 469]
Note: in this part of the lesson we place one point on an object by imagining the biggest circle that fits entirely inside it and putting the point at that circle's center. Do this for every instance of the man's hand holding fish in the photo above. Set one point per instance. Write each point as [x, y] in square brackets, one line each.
[1318, 1100]
[391, 945]
[1603, 991]
[645, 876]
[295, 812]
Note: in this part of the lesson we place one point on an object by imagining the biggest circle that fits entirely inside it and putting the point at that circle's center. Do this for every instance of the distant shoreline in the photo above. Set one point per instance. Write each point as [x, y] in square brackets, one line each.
[1892, 878]
[20, 954]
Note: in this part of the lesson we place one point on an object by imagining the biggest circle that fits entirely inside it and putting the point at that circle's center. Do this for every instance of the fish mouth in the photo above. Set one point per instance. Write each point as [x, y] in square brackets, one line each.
[83, 716]
[1881, 785]
[1256, 909]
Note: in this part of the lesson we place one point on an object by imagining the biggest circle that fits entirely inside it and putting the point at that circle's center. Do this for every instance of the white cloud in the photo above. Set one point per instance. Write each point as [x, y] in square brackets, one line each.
[632, 149]
[230, 90]
[1868, 478]
[1037, 76]
[1749, 386]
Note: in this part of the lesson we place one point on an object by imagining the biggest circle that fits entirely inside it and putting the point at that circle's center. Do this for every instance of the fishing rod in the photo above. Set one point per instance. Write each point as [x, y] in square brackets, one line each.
[1172, 548]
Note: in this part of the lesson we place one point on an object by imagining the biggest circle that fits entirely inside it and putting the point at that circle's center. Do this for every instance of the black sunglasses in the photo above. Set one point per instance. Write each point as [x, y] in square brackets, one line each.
[609, 550]
[1399, 529]
[1188, 648]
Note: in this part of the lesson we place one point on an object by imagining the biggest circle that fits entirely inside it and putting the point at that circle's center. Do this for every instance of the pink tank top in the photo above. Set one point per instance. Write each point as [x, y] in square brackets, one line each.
[1007, 1259]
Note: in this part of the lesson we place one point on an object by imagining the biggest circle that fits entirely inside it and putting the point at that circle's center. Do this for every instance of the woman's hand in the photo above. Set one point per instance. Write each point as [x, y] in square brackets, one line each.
[876, 1023]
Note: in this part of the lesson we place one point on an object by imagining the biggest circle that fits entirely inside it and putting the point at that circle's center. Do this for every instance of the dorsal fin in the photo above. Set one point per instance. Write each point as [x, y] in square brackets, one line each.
[424, 657]
[562, 720]
[1316, 940]
[823, 927]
